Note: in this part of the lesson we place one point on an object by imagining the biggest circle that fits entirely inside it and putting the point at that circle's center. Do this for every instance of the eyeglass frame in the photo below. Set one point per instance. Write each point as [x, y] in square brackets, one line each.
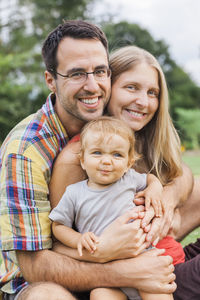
[108, 70]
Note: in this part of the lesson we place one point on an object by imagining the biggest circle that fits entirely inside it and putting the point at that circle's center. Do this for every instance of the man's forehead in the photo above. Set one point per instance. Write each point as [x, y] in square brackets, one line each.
[81, 51]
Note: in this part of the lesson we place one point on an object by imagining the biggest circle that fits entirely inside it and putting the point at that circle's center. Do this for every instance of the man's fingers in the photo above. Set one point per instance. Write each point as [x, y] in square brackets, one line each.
[170, 287]
[138, 200]
[155, 252]
[130, 215]
[79, 247]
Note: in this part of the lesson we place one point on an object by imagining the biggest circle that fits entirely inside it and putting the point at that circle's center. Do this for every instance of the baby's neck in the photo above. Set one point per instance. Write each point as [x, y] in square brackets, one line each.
[98, 186]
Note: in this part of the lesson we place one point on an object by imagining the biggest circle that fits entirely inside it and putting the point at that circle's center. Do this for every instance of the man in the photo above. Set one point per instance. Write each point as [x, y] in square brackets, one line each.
[78, 75]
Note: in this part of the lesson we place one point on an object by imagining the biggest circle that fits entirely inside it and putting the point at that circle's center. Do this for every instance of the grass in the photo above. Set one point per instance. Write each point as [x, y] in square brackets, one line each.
[192, 159]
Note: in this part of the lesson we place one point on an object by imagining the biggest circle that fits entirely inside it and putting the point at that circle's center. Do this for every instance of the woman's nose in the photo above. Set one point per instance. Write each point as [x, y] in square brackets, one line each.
[142, 99]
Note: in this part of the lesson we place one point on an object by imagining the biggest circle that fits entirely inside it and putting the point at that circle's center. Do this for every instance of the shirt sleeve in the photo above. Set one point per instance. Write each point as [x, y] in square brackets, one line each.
[140, 180]
[64, 212]
[25, 207]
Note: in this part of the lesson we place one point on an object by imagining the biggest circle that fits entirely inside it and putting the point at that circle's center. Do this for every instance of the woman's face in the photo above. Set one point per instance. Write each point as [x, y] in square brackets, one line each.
[135, 96]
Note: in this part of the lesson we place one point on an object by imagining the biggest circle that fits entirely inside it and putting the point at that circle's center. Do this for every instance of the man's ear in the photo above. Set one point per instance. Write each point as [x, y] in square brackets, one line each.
[50, 81]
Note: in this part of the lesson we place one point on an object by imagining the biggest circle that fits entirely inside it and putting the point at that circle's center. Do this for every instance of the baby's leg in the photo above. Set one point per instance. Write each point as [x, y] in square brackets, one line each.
[146, 296]
[107, 294]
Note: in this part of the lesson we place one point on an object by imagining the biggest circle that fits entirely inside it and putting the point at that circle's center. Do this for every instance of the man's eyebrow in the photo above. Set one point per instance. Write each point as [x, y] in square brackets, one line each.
[73, 70]
[101, 67]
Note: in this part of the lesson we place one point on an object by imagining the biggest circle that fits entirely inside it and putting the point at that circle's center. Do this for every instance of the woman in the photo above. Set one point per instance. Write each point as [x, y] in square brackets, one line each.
[140, 98]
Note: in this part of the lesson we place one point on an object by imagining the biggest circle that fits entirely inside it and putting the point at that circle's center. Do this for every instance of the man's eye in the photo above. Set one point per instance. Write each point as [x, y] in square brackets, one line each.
[77, 75]
[100, 72]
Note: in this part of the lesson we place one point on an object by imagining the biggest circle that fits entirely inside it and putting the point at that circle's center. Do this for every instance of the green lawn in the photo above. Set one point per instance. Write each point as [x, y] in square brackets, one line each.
[192, 159]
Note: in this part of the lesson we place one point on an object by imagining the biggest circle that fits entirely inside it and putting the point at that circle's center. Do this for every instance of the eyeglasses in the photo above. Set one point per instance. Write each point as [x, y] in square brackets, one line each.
[81, 76]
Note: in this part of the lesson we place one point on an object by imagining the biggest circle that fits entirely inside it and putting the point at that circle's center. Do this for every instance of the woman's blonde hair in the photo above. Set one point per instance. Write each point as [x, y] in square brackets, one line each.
[158, 141]
[107, 126]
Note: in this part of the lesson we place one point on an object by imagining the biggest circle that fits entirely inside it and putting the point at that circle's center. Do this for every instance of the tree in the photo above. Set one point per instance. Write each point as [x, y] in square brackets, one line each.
[188, 121]
[23, 89]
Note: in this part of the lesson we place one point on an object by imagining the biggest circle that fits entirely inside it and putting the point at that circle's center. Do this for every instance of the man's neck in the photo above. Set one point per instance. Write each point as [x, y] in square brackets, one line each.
[71, 124]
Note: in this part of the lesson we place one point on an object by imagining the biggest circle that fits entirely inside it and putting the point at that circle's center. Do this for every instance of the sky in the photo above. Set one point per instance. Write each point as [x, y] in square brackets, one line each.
[177, 22]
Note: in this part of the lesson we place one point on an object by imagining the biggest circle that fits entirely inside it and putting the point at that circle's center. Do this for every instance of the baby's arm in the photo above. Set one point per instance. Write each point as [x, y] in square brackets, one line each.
[74, 239]
[153, 194]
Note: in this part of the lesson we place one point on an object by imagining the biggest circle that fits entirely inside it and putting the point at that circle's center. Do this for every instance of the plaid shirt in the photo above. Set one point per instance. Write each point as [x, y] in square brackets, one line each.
[26, 159]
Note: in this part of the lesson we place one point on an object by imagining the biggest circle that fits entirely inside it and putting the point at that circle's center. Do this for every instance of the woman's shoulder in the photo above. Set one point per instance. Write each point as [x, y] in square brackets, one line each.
[69, 153]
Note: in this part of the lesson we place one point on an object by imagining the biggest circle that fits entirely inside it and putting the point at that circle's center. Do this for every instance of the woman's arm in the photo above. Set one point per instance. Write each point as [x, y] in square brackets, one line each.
[174, 195]
[66, 170]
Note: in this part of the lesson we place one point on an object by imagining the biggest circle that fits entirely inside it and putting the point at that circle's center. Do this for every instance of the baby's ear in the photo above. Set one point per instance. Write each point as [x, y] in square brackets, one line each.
[81, 157]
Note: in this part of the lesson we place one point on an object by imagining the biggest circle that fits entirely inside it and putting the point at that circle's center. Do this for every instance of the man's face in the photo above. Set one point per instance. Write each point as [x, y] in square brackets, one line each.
[85, 100]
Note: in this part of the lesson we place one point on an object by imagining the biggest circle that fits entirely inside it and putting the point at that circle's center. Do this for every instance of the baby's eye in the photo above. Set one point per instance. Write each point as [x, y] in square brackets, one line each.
[117, 155]
[97, 152]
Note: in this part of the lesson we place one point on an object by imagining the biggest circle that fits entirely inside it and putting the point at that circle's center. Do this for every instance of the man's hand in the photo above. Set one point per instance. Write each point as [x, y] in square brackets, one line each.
[149, 272]
[122, 238]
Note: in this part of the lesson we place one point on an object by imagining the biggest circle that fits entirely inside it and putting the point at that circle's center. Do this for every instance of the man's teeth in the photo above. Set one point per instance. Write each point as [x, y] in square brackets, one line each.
[90, 101]
[135, 113]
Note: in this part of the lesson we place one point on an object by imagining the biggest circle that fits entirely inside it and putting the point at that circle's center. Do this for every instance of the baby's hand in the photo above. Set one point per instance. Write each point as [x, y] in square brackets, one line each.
[153, 196]
[88, 240]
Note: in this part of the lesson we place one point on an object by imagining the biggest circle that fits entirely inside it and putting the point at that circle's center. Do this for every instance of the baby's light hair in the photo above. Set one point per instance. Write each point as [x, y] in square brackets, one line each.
[109, 125]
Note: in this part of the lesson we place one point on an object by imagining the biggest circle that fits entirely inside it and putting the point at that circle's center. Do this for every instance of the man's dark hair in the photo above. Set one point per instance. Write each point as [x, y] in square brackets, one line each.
[76, 29]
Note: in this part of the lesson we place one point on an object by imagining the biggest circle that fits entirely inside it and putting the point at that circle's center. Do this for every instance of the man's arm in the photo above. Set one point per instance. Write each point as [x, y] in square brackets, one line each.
[148, 272]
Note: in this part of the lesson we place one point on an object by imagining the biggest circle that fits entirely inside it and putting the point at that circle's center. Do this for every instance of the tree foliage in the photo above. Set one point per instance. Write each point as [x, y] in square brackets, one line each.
[188, 120]
[23, 88]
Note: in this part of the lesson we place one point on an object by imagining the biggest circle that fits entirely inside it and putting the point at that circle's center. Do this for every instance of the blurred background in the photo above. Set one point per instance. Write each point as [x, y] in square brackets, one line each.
[168, 29]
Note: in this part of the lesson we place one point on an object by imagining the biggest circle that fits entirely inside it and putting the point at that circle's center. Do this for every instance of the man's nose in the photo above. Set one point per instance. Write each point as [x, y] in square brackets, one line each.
[91, 84]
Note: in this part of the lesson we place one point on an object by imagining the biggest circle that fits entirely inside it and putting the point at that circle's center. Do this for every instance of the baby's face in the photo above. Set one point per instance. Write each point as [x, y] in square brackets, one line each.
[105, 159]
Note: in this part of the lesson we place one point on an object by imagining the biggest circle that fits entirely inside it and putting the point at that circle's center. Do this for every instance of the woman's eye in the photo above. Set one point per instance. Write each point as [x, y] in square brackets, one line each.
[131, 87]
[153, 93]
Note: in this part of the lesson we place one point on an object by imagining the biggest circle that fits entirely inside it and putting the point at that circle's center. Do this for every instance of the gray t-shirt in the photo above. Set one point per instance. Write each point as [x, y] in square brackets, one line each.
[93, 210]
